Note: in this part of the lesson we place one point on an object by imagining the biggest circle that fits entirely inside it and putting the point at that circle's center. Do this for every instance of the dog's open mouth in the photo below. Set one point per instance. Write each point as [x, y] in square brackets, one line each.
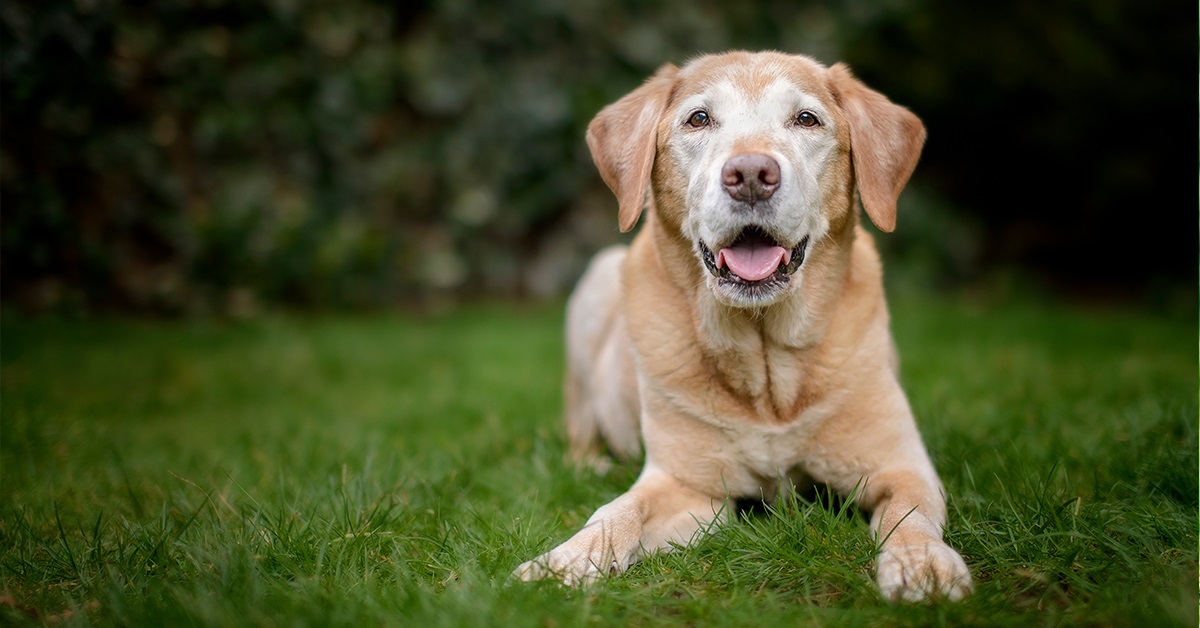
[753, 258]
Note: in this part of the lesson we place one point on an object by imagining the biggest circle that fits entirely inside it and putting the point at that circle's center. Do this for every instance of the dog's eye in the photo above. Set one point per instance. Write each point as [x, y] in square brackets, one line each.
[699, 119]
[806, 118]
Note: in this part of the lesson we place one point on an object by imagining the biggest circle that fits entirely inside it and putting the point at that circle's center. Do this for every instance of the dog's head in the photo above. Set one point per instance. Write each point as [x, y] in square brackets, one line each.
[754, 158]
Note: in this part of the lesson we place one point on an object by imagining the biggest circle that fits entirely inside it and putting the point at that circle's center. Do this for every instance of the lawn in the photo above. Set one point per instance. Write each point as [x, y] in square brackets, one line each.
[393, 469]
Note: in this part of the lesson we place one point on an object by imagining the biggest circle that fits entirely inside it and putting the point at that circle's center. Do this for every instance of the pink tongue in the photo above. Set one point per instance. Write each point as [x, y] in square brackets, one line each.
[752, 262]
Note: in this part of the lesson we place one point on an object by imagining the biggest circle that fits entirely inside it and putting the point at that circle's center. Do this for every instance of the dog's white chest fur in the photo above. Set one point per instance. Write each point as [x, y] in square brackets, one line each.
[768, 455]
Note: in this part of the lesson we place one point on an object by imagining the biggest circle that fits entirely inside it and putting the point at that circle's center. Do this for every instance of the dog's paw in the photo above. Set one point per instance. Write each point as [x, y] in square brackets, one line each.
[570, 567]
[918, 572]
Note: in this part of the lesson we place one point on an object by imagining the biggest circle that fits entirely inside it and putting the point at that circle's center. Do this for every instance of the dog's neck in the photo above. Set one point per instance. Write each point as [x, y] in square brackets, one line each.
[789, 323]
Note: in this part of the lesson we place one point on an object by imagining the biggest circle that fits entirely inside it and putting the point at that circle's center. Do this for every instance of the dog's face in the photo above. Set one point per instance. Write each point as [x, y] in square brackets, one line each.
[754, 157]
[761, 153]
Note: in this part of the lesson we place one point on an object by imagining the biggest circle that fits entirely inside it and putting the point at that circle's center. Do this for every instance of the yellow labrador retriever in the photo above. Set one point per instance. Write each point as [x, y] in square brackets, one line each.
[743, 336]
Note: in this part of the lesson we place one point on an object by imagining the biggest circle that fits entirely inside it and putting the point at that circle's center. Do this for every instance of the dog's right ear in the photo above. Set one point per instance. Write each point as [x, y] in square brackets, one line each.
[622, 139]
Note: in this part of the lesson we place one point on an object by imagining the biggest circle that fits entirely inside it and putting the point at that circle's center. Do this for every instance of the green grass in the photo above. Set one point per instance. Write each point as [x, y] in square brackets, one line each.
[393, 470]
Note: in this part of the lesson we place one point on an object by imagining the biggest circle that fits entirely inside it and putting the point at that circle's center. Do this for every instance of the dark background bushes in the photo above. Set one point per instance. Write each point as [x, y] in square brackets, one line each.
[222, 156]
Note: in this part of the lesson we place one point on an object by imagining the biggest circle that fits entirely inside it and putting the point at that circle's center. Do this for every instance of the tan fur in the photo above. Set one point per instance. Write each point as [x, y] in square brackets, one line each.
[736, 395]
[626, 164]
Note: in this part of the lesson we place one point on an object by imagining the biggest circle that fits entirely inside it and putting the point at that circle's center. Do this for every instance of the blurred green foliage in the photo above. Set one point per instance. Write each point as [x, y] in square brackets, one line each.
[213, 155]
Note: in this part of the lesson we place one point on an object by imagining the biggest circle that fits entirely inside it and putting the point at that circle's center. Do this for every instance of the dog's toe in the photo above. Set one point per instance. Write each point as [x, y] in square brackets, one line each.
[530, 571]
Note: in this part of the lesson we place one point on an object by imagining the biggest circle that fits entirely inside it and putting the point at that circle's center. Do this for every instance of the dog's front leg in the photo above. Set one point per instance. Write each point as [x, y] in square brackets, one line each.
[914, 562]
[656, 512]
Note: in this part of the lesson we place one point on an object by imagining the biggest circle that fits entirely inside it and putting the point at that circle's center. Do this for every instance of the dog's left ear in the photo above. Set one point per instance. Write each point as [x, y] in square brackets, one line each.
[623, 138]
[885, 143]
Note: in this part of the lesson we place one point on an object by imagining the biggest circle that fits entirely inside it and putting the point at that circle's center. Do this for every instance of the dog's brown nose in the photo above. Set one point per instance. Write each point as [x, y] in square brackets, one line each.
[750, 178]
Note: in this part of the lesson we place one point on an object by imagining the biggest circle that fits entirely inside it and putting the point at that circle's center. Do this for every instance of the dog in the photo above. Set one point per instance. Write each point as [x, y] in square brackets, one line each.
[741, 342]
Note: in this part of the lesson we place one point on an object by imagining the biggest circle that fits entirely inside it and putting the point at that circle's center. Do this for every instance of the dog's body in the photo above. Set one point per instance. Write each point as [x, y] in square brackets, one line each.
[743, 337]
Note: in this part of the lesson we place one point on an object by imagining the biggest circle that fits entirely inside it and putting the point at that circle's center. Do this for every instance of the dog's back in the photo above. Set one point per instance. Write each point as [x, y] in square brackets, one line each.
[600, 388]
